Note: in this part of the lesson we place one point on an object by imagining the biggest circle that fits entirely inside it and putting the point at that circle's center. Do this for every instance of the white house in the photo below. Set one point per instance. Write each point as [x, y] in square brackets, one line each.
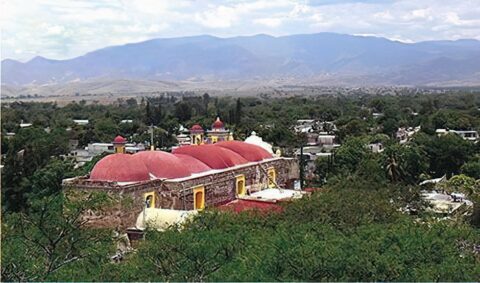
[80, 122]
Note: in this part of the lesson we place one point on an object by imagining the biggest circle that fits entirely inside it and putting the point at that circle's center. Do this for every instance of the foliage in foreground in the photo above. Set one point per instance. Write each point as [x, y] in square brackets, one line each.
[349, 232]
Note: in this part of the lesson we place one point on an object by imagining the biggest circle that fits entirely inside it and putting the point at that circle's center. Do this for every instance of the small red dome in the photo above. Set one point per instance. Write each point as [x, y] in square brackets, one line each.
[192, 164]
[218, 124]
[215, 157]
[119, 139]
[196, 129]
[248, 151]
[162, 164]
[119, 167]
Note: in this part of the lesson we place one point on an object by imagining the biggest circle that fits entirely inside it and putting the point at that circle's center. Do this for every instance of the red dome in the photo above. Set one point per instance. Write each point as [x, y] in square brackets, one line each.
[119, 139]
[119, 167]
[196, 128]
[215, 157]
[162, 164]
[192, 164]
[218, 124]
[248, 151]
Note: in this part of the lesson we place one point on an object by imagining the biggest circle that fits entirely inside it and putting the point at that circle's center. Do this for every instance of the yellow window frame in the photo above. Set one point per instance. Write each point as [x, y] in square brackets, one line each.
[240, 191]
[153, 195]
[272, 176]
[201, 205]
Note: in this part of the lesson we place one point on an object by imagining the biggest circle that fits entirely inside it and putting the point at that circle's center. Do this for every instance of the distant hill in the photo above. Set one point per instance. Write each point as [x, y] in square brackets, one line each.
[311, 58]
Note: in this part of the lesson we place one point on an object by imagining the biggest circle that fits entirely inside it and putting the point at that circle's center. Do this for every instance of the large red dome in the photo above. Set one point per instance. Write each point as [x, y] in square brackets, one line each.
[215, 157]
[119, 167]
[248, 151]
[192, 164]
[162, 164]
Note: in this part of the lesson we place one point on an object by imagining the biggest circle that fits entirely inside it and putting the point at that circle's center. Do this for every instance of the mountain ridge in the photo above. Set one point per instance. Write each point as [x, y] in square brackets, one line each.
[260, 57]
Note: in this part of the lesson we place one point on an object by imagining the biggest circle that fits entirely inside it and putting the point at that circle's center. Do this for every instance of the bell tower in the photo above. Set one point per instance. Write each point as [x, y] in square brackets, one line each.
[196, 134]
[119, 144]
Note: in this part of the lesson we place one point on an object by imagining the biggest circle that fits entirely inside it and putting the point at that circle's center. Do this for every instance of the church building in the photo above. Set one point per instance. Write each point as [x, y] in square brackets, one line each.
[213, 171]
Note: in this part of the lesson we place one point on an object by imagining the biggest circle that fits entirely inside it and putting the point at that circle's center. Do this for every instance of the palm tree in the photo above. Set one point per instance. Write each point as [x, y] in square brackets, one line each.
[393, 168]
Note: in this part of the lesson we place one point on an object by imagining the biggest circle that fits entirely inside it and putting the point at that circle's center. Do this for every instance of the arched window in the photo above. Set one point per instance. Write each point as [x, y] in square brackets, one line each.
[149, 199]
[240, 185]
[272, 182]
[199, 198]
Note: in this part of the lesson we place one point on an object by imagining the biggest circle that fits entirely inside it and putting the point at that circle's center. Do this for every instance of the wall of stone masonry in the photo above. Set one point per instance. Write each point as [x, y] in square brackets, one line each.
[127, 201]
[220, 187]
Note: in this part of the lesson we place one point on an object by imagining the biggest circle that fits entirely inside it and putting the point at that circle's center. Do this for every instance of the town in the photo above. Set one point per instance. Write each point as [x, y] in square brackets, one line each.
[162, 162]
[240, 141]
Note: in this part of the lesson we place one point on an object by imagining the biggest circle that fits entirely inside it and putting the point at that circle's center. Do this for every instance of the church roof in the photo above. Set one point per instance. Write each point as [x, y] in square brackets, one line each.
[120, 167]
[248, 151]
[163, 164]
[216, 157]
[184, 162]
[192, 164]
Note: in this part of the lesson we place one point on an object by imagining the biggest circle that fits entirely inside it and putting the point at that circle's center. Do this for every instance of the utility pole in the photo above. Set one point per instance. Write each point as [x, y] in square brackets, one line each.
[152, 147]
[301, 167]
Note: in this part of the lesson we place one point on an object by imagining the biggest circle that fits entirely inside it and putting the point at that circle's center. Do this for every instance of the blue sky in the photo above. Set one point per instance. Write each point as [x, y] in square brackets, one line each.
[61, 29]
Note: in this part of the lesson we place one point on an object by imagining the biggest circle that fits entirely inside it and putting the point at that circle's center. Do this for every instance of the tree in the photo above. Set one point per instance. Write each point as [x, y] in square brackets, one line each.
[447, 154]
[472, 169]
[238, 112]
[51, 237]
[183, 111]
[350, 154]
[148, 114]
[106, 129]
[206, 101]
[28, 151]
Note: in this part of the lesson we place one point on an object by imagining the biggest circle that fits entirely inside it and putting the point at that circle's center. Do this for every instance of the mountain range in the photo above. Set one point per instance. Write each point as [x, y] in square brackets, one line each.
[328, 58]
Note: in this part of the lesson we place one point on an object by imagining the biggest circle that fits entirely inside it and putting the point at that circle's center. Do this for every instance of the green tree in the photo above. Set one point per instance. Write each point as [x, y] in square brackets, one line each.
[51, 237]
[183, 111]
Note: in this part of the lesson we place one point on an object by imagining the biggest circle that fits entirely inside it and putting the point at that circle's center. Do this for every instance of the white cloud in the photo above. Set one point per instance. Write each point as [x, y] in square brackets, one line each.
[218, 17]
[63, 29]
[269, 22]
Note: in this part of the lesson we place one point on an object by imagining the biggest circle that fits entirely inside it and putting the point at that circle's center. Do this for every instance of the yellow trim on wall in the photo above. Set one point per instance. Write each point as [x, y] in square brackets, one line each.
[119, 148]
[199, 201]
[153, 195]
[272, 176]
[240, 185]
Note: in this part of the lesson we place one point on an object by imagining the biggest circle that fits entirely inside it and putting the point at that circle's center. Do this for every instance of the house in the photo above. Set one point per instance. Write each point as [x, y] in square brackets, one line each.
[25, 125]
[404, 135]
[80, 122]
[324, 139]
[470, 135]
[376, 147]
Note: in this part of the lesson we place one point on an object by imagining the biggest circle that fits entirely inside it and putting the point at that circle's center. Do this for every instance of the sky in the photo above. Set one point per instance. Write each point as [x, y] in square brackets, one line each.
[61, 29]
